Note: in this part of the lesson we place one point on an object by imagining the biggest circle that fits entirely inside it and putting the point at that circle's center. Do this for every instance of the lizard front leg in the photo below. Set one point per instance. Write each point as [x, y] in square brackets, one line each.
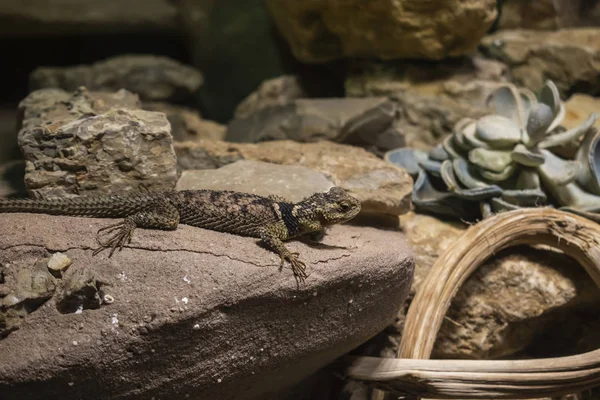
[276, 245]
[159, 215]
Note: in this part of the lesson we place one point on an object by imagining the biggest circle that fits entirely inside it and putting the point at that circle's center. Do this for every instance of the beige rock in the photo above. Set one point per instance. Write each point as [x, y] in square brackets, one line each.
[196, 313]
[381, 187]
[292, 182]
[272, 92]
[578, 108]
[186, 123]
[324, 30]
[508, 302]
[92, 143]
[568, 57]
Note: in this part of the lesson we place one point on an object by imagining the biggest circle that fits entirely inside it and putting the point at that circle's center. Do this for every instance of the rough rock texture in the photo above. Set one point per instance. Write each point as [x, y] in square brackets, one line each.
[324, 30]
[568, 57]
[578, 108]
[153, 78]
[429, 97]
[59, 17]
[272, 92]
[292, 182]
[548, 14]
[196, 314]
[366, 121]
[186, 123]
[381, 187]
[377, 78]
[93, 142]
[508, 302]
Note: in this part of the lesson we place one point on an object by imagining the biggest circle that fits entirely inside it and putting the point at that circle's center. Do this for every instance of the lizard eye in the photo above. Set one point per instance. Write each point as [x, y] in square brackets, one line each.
[344, 206]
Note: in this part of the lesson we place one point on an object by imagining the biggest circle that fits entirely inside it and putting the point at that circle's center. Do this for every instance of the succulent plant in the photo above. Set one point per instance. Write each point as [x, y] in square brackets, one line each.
[508, 160]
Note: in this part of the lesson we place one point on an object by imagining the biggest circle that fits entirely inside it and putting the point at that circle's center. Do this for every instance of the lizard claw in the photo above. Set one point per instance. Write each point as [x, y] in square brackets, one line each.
[118, 235]
[298, 267]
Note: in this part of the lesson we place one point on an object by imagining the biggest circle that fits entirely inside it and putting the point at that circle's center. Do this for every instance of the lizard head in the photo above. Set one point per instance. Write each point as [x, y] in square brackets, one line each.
[335, 206]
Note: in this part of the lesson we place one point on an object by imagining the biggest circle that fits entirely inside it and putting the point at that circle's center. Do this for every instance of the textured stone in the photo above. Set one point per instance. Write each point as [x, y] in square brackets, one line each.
[508, 302]
[186, 123]
[292, 182]
[578, 108]
[568, 57]
[381, 187]
[59, 17]
[548, 14]
[153, 78]
[378, 78]
[429, 97]
[196, 314]
[91, 143]
[361, 121]
[324, 30]
[272, 92]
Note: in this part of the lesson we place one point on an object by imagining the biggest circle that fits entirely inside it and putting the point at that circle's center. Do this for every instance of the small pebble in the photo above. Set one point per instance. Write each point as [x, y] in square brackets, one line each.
[196, 326]
[108, 299]
[59, 261]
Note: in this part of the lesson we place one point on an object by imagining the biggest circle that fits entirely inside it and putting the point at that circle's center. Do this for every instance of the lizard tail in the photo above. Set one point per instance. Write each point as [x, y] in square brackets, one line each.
[94, 206]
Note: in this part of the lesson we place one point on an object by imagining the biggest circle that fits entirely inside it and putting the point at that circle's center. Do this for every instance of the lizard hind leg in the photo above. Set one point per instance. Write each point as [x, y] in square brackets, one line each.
[161, 215]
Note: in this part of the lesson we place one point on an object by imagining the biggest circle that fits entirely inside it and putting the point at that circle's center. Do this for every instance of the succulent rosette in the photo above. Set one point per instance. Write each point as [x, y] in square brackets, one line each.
[517, 157]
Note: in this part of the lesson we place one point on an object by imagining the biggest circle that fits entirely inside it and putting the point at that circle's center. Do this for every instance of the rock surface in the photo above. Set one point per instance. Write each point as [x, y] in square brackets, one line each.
[508, 302]
[381, 187]
[548, 14]
[292, 182]
[578, 108]
[93, 142]
[362, 121]
[568, 57]
[196, 314]
[272, 92]
[153, 78]
[43, 17]
[186, 123]
[324, 30]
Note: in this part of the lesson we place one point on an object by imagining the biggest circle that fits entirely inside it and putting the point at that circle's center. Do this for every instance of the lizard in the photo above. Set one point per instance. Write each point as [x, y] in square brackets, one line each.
[272, 219]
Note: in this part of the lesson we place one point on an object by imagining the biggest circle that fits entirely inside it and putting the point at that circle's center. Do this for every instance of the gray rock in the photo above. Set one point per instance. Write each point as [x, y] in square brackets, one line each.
[153, 78]
[381, 187]
[196, 314]
[89, 142]
[365, 121]
[186, 123]
[568, 57]
[325, 30]
[292, 182]
[43, 17]
[272, 92]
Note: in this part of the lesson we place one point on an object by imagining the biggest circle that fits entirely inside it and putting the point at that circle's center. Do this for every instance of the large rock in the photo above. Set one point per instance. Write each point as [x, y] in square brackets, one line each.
[509, 302]
[190, 313]
[60, 17]
[186, 123]
[568, 57]
[381, 187]
[292, 182]
[548, 14]
[153, 78]
[429, 97]
[324, 30]
[272, 92]
[93, 142]
[368, 122]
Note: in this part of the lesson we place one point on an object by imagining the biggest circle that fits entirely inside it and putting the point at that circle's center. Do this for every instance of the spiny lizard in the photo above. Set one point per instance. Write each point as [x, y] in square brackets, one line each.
[272, 219]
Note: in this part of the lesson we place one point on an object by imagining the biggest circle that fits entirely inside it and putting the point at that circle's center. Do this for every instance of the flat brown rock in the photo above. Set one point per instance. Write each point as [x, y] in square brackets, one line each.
[196, 314]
